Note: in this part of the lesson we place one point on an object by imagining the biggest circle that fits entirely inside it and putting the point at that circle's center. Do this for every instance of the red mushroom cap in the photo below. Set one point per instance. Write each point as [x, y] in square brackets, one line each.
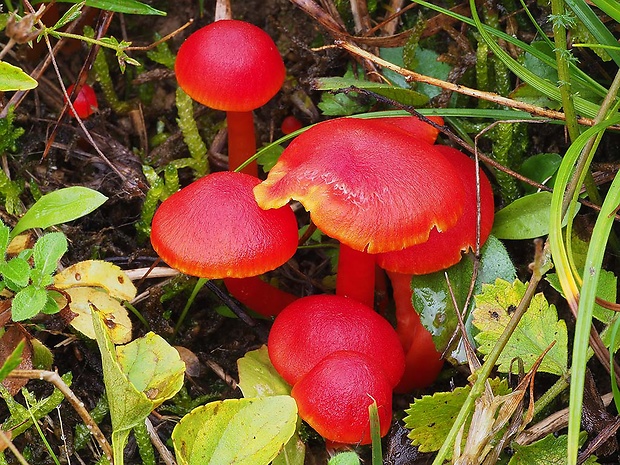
[313, 327]
[213, 228]
[443, 249]
[230, 65]
[367, 183]
[85, 102]
[415, 126]
[334, 397]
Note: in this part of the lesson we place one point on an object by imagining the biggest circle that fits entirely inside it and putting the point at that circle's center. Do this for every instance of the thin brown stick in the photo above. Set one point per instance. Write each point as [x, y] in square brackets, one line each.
[55, 379]
[489, 96]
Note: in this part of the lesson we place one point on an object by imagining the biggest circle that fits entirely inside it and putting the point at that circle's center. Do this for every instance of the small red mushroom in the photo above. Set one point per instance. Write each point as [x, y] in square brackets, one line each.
[369, 184]
[233, 66]
[214, 229]
[335, 395]
[442, 250]
[85, 102]
[313, 327]
[290, 124]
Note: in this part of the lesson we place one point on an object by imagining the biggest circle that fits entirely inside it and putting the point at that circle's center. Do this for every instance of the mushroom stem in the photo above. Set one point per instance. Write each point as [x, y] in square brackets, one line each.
[356, 275]
[422, 360]
[259, 295]
[241, 141]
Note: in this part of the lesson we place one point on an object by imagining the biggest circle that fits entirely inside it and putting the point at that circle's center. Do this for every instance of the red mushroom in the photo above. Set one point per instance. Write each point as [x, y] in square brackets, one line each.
[85, 102]
[214, 229]
[313, 327]
[368, 184]
[335, 395]
[442, 250]
[233, 66]
[290, 124]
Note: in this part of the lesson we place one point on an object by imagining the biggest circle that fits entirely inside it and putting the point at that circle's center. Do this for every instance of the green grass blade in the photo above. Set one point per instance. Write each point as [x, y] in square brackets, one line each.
[595, 26]
[579, 76]
[567, 281]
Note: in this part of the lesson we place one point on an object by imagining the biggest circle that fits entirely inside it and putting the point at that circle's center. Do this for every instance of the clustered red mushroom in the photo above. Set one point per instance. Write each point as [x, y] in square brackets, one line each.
[392, 198]
[381, 187]
[339, 355]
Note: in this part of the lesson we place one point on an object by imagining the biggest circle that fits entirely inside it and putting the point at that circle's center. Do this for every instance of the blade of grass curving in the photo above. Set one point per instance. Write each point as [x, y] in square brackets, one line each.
[614, 383]
[547, 88]
[579, 75]
[610, 7]
[594, 260]
[595, 26]
[567, 280]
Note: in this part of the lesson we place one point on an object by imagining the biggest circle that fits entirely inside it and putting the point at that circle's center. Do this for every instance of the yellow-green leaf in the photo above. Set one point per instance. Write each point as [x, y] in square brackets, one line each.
[13, 78]
[117, 318]
[538, 328]
[248, 431]
[97, 273]
[258, 377]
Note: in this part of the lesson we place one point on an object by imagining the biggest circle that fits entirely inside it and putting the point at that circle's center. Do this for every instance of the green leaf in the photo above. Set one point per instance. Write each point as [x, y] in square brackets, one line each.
[494, 263]
[429, 65]
[345, 458]
[132, 7]
[13, 360]
[151, 363]
[28, 302]
[540, 168]
[4, 239]
[48, 250]
[72, 13]
[235, 431]
[404, 96]
[293, 453]
[13, 78]
[17, 272]
[153, 366]
[549, 450]
[525, 218]
[538, 328]
[258, 377]
[431, 417]
[341, 105]
[58, 207]
[431, 299]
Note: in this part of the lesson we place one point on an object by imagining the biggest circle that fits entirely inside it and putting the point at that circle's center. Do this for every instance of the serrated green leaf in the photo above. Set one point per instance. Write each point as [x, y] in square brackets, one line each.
[27, 303]
[48, 250]
[16, 271]
[59, 206]
[235, 431]
[13, 78]
[550, 450]
[431, 417]
[538, 328]
[258, 377]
